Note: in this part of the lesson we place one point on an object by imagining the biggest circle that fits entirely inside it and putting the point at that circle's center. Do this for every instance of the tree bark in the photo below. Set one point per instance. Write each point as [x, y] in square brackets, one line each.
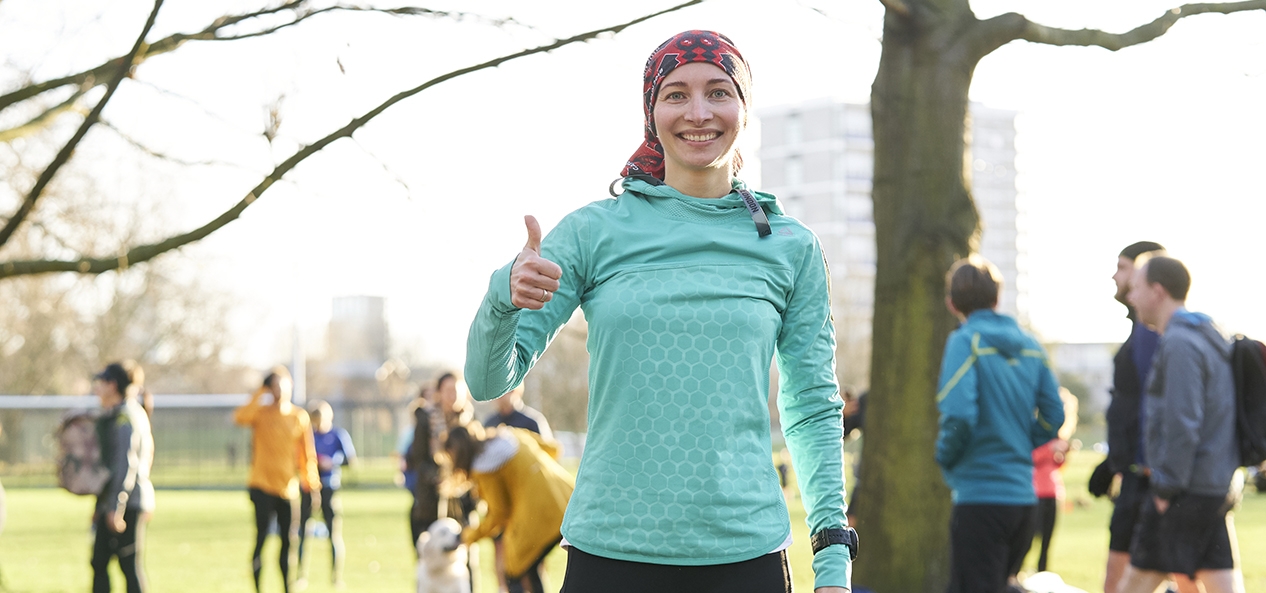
[924, 220]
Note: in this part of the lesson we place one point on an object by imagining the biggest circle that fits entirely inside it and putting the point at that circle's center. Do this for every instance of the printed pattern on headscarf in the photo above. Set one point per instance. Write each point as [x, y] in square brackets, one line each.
[683, 48]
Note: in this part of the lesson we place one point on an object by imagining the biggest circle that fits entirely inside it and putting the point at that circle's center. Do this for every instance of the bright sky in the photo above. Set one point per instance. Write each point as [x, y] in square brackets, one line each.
[1163, 141]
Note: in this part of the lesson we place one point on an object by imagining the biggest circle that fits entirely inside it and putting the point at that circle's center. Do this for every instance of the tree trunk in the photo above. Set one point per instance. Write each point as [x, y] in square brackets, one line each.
[924, 220]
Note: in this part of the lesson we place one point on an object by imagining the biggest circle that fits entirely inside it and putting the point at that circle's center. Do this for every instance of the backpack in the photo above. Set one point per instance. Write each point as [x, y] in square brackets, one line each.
[79, 467]
[1248, 365]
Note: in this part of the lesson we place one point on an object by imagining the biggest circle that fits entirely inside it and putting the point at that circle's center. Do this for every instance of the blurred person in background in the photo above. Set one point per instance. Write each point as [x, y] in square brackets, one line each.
[526, 491]
[333, 451]
[1048, 481]
[1126, 457]
[127, 499]
[435, 412]
[511, 411]
[998, 400]
[283, 455]
[418, 462]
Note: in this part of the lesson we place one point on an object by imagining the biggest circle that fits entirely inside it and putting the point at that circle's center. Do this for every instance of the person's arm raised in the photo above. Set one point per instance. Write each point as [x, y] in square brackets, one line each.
[533, 279]
[528, 301]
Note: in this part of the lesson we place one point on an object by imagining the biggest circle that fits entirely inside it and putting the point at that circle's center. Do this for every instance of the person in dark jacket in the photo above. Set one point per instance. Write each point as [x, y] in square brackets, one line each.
[127, 499]
[1189, 441]
[998, 401]
[1131, 366]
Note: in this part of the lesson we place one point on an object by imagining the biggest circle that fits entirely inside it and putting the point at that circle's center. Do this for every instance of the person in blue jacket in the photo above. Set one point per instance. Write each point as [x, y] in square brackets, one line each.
[691, 284]
[998, 400]
[333, 451]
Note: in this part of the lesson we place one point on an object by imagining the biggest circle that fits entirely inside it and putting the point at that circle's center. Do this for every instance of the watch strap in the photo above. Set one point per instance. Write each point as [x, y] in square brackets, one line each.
[833, 536]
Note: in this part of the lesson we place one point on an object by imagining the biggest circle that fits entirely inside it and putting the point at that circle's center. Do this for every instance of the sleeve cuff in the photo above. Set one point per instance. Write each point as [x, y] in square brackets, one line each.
[499, 289]
[832, 568]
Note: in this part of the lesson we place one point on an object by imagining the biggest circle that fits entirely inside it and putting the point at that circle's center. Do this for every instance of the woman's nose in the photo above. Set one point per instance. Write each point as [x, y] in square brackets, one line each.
[698, 111]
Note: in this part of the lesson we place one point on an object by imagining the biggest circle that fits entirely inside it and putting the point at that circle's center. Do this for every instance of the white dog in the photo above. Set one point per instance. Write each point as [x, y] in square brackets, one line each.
[442, 559]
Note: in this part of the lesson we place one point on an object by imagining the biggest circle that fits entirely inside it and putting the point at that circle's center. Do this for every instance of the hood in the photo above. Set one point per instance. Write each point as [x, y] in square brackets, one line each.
[643, 186]
[999, 331]
[1203, 326]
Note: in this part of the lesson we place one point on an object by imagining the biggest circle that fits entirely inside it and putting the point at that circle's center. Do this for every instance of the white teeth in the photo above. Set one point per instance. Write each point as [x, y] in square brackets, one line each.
[700, 137]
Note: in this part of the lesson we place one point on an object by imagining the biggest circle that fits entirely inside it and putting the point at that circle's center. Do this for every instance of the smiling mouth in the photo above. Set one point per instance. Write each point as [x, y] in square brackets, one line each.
[701, 137]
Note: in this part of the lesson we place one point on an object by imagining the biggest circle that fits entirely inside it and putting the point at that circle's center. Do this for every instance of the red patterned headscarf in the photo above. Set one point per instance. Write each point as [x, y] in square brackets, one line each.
[683, 48]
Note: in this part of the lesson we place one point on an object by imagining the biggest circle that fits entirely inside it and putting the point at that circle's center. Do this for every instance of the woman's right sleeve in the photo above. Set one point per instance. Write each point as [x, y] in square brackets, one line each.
[505, 341]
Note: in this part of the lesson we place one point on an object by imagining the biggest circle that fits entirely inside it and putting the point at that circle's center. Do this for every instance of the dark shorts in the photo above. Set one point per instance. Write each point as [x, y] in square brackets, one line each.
[587, 573]
[1192, 535]
[1125, 511]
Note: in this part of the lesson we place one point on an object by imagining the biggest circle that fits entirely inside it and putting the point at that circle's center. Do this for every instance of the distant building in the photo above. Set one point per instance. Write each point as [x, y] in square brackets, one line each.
[357, 346]
[1086, 370]
[818, 158]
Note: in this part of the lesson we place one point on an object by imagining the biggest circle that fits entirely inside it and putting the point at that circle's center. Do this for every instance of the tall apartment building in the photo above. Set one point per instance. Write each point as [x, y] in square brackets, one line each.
[818, 158]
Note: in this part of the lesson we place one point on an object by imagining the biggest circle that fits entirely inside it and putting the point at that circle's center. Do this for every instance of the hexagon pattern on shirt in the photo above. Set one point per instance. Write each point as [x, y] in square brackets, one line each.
[681, 460]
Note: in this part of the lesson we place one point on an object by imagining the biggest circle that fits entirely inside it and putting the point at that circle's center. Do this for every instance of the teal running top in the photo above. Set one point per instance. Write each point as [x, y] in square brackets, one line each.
[687, 306]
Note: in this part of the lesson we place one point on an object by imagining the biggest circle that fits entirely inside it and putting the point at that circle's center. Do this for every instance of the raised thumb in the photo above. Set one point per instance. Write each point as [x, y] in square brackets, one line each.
[534, 234]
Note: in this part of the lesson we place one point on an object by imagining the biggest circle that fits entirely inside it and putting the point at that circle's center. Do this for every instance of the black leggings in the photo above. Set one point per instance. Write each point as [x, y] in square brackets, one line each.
[587, 573]
[333, 525]
[1046, 511]
[125, 546]
[267, 507]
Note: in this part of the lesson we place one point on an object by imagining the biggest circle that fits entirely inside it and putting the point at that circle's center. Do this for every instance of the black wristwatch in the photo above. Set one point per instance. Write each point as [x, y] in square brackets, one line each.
[835, 535]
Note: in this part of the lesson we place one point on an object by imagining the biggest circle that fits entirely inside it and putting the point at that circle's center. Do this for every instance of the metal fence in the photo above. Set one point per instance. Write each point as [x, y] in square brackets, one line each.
[197, 445]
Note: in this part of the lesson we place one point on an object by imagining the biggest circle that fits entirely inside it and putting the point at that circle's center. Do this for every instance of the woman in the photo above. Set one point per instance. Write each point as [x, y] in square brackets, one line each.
[525, 490]
[282, 456]
[689, 282]
[421, 471]
[1048, 482]
[435, 412]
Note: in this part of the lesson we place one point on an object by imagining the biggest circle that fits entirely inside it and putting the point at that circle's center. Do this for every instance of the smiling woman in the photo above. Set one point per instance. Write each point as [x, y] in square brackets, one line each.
[687, 303]
[699, 115]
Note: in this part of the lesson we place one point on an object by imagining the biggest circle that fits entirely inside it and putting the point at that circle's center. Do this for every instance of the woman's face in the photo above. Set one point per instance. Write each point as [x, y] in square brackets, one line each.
[698, 116]
[446, 395]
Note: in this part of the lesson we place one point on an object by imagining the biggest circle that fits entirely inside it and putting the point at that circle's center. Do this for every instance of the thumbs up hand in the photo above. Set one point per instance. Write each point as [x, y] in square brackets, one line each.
[533, 279]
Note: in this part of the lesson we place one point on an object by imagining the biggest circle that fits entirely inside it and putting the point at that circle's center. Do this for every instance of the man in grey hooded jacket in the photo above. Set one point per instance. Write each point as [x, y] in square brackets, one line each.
[1189, 439]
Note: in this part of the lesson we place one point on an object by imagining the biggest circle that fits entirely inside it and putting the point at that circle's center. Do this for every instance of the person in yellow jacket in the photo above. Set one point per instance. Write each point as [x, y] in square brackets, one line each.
[282, 455]
[526, 490]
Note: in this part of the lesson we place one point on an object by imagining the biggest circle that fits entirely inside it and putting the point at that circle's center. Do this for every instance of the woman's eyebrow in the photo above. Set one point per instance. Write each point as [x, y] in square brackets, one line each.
[710, 82]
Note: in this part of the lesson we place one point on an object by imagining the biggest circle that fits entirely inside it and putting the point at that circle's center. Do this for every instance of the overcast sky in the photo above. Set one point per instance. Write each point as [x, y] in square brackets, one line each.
[1163, 141]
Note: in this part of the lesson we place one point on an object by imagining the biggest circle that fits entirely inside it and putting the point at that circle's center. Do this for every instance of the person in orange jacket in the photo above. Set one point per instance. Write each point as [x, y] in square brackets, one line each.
[525, 489]
[283, 455]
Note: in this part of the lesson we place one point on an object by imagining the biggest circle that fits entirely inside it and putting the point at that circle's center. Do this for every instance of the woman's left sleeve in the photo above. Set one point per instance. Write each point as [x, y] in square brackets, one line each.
[810, 408]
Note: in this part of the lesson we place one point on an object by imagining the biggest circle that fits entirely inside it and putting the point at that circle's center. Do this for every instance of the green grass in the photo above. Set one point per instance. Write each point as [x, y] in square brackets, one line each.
[201, 541]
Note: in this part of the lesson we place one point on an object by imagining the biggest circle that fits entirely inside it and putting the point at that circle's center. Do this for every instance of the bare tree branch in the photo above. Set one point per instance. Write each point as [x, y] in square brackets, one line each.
[1008, 27]
[897, 6]
[138, 254]
[42, 120]
[33, 197]
[217, 31]
[137, 144]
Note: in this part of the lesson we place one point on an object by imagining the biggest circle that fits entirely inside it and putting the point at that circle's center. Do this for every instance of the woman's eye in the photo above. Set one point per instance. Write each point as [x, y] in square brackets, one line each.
[720, 94]
[675, 96]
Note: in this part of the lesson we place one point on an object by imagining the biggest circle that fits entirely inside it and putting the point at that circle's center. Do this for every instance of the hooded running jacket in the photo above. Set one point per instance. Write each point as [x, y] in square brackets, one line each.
[687, 305]
[998, 401]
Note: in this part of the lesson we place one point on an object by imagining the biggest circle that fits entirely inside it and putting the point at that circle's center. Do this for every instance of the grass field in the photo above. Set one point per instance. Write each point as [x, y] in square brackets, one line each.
[201, 541]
